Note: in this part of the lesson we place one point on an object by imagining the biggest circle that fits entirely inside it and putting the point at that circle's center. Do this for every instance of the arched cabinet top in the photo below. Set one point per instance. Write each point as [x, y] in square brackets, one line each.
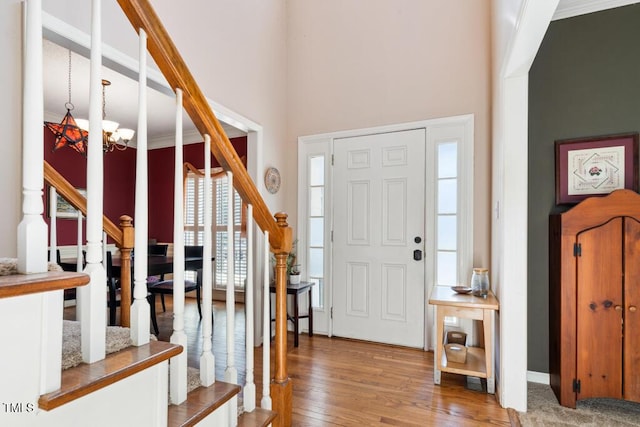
[595, 211]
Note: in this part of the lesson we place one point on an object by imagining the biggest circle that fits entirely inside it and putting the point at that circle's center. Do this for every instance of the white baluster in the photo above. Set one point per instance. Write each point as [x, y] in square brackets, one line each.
[53, 227]
[52, 306]
[79, 256]
[266, 328]
[231, 373]
[93, 297]
[104, 249]
[207, 360]
[249, 392]
[140, 310]
[178, 365]
[32, 230]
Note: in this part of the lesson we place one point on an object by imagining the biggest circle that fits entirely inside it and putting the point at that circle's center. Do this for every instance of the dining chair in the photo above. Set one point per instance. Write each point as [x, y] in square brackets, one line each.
[165, 287]
[115, 296]
[156, 250]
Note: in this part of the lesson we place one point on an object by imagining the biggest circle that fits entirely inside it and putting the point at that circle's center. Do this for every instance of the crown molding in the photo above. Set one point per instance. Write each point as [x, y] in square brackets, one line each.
[571, 8]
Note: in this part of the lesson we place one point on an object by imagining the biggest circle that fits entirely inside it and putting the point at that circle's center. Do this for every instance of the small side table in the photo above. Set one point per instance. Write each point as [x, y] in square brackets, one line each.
[297, 290]
[479, 361]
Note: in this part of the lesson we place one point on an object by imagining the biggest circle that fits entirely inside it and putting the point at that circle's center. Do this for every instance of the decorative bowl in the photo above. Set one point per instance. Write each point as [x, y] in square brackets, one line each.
[461, 289]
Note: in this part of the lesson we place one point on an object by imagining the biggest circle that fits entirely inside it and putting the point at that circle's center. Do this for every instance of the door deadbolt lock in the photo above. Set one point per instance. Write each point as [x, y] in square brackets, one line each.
[417, 255]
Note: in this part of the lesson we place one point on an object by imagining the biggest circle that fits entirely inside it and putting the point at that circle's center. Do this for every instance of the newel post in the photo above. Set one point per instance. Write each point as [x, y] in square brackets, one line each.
[126, 225]
[281, 385]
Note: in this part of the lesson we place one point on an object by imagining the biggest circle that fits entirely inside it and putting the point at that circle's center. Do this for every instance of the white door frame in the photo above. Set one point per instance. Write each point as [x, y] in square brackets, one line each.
[321, 144]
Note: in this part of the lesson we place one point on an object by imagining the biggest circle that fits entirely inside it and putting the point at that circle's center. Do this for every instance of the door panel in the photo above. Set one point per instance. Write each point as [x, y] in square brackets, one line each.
[599, 314]
[631, 313]
[378, 287]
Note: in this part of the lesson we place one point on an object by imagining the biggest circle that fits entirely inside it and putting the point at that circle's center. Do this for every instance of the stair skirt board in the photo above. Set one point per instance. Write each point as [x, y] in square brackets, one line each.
[140, 399]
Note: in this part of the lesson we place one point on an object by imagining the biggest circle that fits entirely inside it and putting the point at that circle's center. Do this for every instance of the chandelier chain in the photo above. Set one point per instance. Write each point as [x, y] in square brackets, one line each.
[104, 101]
[69, 104]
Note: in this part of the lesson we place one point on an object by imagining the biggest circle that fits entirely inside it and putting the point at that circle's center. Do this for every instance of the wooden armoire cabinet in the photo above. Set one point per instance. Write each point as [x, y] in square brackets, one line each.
[594, 297]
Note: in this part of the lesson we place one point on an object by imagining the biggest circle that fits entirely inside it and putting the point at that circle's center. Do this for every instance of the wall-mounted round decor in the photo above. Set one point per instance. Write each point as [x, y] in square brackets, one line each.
[272, 180]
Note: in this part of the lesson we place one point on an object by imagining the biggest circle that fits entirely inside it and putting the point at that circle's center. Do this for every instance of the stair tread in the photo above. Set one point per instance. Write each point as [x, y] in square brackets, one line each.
[24, 284]
[257, 418]
[87, 378]
[201, 402]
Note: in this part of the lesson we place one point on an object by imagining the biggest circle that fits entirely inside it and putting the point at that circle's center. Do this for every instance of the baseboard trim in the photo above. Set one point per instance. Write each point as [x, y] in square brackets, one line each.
[538, 377]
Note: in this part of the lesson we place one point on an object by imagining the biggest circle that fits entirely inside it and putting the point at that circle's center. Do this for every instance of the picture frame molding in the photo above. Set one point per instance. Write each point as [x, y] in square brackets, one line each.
[583, 150]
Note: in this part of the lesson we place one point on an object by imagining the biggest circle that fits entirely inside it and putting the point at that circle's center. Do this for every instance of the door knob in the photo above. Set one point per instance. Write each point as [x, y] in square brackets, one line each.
[632, 308]
[618, 308]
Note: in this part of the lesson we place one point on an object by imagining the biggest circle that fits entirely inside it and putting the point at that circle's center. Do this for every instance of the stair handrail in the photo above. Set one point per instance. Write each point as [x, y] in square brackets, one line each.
[143, 18]
[122, 236]
[141, 15]
[78, 201]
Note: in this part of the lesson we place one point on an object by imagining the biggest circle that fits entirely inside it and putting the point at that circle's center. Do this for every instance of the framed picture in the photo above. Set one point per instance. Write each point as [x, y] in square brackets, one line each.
[595, 166]
[64, 209]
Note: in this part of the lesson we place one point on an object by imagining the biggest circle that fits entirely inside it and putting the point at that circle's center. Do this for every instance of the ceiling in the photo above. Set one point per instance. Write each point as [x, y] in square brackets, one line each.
[122, 95]
[121, 98]
[570, 8]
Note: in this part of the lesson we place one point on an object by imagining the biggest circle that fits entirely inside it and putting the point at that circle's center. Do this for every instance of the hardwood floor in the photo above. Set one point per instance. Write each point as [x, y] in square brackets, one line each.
[339, 382]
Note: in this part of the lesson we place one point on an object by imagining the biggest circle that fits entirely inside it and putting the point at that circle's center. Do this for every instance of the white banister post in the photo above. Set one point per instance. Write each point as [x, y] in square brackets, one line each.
[93, 297]
[231, 373]
[249, 392]
[178, 365]
[207, 359]
[53, 227]
[266, 328]
[32, 230]
[140, 310]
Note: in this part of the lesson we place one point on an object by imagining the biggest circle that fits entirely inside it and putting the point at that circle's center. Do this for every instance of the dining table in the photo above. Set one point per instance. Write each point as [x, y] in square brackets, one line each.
[157, 265]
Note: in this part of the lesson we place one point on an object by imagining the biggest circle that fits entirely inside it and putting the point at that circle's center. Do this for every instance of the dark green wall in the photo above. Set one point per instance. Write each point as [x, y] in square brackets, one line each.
[584, 81]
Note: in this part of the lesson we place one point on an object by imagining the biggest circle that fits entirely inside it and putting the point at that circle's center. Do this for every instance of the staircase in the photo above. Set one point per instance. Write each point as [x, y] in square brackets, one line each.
[130, 386]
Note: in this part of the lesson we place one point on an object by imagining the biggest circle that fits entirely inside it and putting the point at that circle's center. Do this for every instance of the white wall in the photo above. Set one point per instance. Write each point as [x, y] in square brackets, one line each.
[518, 29]
[353, 66]
[11, 112]
[235, 50]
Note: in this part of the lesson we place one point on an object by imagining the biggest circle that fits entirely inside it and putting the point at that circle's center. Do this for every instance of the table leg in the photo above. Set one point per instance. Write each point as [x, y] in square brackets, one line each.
[487, 323]
[295, 320]
[310, 315]
[437, 354]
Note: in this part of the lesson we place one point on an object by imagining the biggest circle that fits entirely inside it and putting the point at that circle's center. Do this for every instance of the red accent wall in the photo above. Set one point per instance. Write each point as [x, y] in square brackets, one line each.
[161, 176]
[119, 184]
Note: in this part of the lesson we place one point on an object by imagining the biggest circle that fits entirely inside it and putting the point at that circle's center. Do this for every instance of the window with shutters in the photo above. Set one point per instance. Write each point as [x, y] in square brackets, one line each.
[194, 227]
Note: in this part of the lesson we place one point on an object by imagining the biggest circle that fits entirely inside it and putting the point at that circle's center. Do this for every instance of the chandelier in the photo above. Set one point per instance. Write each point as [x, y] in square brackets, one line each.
[113, 137]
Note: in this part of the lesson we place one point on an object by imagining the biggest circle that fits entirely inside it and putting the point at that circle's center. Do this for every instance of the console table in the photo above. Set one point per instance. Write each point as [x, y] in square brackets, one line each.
[479, 363]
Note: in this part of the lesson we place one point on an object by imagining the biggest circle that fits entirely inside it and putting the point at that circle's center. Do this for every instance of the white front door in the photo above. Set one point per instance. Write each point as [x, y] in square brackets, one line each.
[378, 237]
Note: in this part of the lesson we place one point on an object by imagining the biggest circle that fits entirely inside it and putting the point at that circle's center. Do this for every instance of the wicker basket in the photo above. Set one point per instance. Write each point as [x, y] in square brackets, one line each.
[456, 337]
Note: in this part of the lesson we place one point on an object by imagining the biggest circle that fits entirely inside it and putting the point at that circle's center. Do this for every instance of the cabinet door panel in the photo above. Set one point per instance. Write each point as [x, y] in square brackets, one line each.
[599, 324]
[631, 312]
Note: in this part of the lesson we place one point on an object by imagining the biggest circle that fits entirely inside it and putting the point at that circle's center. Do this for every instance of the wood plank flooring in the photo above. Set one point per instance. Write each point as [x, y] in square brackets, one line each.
[339, 382]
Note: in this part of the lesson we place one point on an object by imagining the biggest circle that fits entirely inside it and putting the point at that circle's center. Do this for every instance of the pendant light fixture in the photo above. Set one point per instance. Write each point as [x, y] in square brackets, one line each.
[67, 131]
